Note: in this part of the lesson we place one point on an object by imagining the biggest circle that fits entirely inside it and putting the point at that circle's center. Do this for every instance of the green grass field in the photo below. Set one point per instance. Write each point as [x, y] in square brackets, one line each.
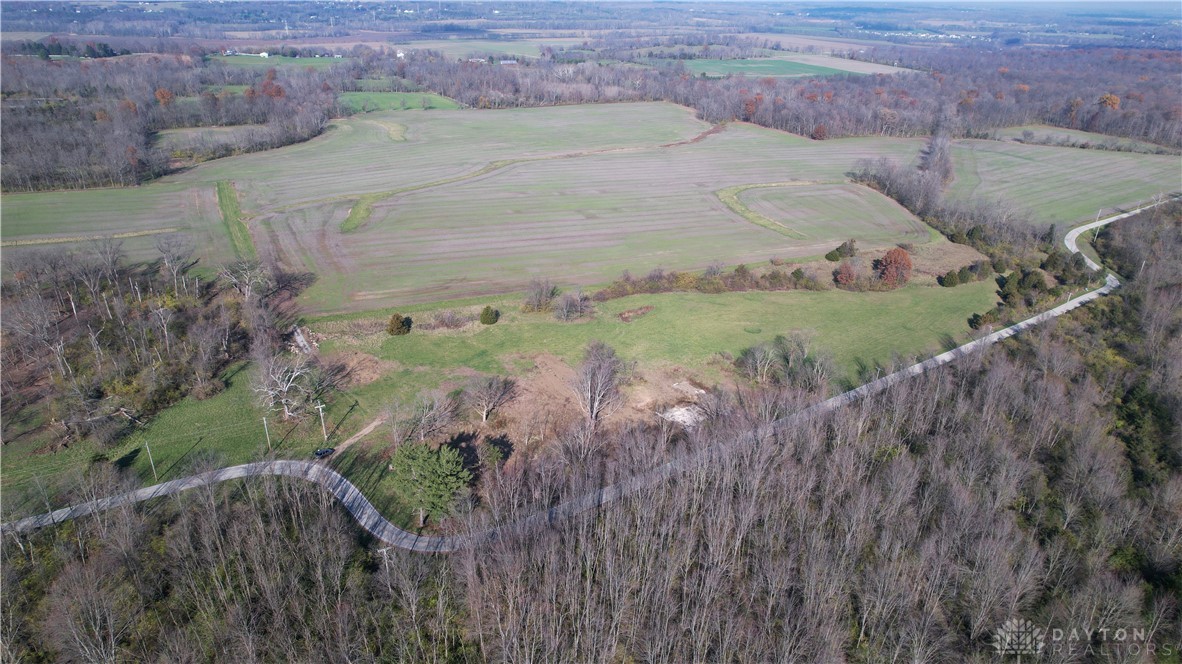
[687, 330]
[363, 102]
[237, 231]
[257, 62]
[138, 212]
[759, 67]
[1060, 185]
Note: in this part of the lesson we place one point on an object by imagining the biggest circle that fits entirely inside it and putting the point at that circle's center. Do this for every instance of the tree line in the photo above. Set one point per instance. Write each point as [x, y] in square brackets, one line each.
[76, 124]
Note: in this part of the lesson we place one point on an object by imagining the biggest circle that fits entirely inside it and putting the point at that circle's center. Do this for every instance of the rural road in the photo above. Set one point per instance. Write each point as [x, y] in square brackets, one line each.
[373, 521]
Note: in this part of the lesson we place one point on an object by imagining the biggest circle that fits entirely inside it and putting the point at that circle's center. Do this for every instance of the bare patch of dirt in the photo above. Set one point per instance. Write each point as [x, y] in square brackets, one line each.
[632, 314]
[361, 368]
[718, 128]
[655, 389]
[544, 405]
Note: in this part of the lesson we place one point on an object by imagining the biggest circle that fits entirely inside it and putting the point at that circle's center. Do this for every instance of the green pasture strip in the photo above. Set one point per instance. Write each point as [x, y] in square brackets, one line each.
[236, 228]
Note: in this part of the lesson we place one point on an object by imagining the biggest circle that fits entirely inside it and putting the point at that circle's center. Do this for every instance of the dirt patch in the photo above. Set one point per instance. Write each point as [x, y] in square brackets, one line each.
[544, 405]
[655, 389]
[632, 314]
[361, 368]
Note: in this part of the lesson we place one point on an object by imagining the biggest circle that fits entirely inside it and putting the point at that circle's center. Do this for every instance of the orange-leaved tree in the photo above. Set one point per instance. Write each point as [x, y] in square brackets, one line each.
[894, 269]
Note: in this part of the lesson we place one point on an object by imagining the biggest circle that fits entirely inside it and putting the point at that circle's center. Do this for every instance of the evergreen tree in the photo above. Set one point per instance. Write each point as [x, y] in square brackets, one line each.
[428, 480]
[398, 325]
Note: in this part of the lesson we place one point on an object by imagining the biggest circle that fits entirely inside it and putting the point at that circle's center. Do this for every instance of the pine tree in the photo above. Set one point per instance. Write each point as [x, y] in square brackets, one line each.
[428, 480]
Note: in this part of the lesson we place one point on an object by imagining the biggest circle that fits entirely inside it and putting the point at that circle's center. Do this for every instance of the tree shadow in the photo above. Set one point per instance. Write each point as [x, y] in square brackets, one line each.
[947, 342]
[501, 444]
[465, 444]
[124, 462]
[183, 458]
[337, 427]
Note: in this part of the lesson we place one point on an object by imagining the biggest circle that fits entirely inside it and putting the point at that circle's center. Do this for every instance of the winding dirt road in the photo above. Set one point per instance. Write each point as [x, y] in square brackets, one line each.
[373, 521]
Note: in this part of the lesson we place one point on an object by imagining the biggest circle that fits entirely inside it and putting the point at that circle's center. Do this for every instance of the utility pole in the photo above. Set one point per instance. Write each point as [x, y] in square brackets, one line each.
[268, 432]
[151, 461]
[320, 407]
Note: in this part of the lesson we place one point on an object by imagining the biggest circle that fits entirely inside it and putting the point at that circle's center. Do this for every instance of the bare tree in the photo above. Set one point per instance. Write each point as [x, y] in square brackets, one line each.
[176, 250]
[490, 393]
[247, 277]
[597, 382]
[284, 383]
[431, 414]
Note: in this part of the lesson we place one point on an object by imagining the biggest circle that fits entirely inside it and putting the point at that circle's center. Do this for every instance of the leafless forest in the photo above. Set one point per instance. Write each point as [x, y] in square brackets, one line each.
[1038, 480]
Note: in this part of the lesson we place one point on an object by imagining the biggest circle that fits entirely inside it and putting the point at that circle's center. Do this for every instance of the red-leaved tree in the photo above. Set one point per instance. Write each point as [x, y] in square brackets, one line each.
[894, 269]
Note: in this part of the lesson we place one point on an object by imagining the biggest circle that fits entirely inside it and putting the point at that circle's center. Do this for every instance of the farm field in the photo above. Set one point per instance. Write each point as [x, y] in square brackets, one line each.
[68, 218]
[366, 101]
[1060, 185]
[759, 67]
[827, 211]
[394, 208]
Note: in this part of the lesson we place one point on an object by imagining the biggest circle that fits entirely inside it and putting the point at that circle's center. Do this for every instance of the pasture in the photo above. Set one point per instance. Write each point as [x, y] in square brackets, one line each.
[759, 67]
[70, 218]
[367, 101]
[690, 329]
[1064, 186]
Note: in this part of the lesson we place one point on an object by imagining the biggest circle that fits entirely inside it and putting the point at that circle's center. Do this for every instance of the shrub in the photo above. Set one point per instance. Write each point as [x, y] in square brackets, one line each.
[847, 249]
[977, 321]
[399, 325]
[950, 280]
[845, 275]
[571, 306]
[540, 295]
[450, 319]
[489, 316]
